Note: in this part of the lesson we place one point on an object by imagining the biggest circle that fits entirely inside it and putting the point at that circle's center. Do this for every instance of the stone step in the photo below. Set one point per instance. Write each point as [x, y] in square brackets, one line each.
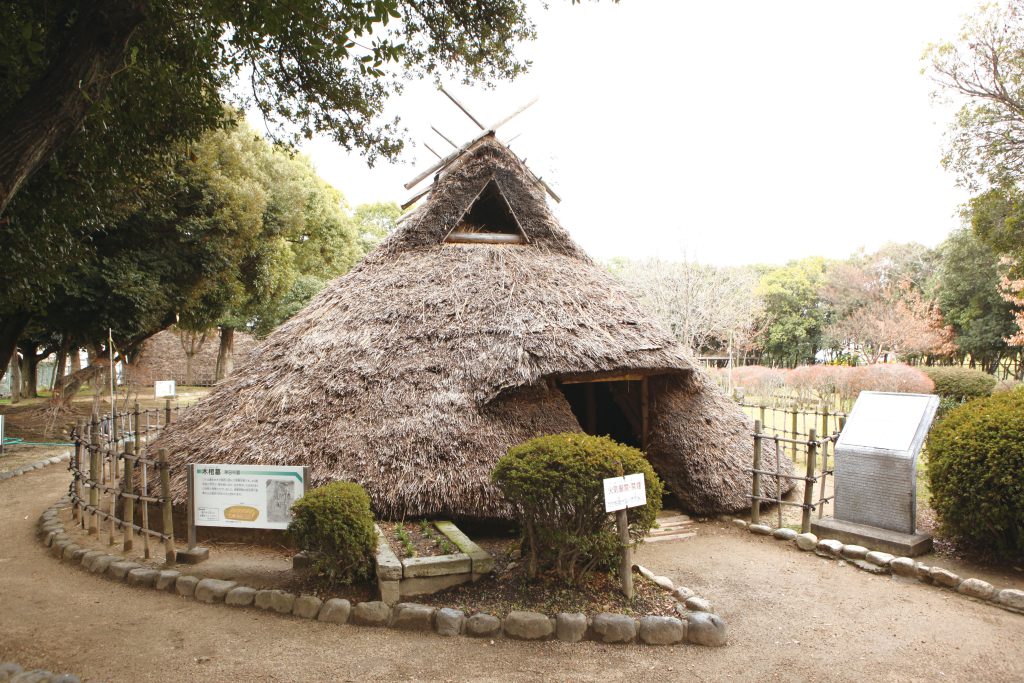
[669, 532]
[673, 519]
[673, 537]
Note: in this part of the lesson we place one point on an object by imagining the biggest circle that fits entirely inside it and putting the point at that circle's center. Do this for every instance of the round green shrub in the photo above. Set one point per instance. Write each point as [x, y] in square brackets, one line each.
[960, 383]
[334, 524]
[554, 484]
[976, 474]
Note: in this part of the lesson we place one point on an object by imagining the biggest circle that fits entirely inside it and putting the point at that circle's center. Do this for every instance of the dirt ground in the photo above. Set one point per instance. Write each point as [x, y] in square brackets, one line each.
[792, 617]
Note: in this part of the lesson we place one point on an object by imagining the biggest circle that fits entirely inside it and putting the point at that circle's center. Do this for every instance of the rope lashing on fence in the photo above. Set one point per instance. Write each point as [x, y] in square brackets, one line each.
[812, 445]
[101, 445]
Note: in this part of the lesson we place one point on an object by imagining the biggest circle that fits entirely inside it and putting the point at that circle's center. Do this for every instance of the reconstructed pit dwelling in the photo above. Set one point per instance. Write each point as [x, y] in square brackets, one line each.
[478, 324]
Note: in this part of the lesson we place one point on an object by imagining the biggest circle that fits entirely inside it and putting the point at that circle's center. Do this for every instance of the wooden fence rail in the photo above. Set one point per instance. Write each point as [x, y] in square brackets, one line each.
[110, 478]
[810, 448]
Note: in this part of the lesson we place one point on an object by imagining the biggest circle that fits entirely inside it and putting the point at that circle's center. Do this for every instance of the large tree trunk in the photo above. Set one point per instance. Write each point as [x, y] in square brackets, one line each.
[76, 359]
[226, 353]
[31, 373]
[15, 378]
[11, 327]
[73, 383]
[56, 104]
[61, 365]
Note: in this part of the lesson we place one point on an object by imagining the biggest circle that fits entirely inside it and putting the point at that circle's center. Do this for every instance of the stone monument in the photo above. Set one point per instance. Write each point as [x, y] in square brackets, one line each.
[876, 473]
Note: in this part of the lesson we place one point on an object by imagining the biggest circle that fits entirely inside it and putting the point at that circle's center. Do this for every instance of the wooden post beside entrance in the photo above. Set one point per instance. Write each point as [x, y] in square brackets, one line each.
[755, 502]
[94, 469]
[626, 561]
[812, 457]
[165, 503]
[128, 486]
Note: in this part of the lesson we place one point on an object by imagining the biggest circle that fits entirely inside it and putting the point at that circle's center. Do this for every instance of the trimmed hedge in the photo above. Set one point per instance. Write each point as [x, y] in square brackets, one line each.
[554, 484]
[976, 474]
[334, 524]
[960, 383]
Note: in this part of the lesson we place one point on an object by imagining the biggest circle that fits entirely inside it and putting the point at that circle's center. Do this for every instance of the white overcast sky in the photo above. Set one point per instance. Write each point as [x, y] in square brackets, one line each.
[726, 132]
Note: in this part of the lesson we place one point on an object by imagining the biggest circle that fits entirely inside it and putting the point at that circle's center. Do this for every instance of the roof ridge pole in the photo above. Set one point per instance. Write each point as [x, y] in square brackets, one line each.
[462, 150]
[461, 107]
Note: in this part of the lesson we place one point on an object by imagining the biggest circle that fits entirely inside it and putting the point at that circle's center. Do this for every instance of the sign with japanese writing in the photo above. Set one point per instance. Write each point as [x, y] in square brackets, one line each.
[245, 496]
[164, 388]
[624, 492]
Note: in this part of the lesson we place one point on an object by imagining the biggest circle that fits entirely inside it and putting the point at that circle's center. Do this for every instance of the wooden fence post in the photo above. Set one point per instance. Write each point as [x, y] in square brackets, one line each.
[812, 456]
[113, 437]
[626, 561]
[795, 437]
[94, 467]
[167, 412]
[76, 484]
[165, 494]
[755, 502]
[128, 485]
[144, 488]
[761, 412]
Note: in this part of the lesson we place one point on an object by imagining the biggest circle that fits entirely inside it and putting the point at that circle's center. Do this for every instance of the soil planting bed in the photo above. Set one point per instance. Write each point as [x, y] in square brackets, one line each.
[416, 539]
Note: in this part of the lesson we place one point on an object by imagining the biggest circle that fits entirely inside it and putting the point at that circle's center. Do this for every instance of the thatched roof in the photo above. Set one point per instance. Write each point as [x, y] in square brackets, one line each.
[413, 373]
[162, 357]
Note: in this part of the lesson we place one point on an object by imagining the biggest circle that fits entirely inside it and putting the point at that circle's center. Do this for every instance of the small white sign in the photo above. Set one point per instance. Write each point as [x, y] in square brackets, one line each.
[620, 493]
[246, 496]
[164, 388]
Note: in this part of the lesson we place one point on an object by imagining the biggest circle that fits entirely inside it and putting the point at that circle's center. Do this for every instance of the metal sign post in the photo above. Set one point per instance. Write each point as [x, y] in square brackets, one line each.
[621, 493]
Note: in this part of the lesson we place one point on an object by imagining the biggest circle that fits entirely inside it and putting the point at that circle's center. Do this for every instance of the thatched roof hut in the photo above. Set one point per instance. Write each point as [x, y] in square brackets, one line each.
[477, 325]
[163, 356]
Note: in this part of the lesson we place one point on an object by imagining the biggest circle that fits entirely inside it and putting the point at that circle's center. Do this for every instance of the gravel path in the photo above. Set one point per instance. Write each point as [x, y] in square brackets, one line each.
[792, 616]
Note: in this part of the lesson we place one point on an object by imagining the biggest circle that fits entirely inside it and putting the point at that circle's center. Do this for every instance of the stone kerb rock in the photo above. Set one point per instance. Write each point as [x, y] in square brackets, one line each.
[448, 621]
[307, 606]
[662, 630]
[240, 596]
[878, 562]
[1011, 598]
[976, 588]
[703, 628]
[483, 625]
[613, 628]
[571, 627]
[31, 467]
[410, 616]
[528, 626]
[784, 534]
[335, 611]
[372, 613]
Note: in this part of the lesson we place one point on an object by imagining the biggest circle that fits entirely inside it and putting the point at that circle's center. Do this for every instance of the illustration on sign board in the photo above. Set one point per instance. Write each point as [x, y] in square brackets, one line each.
[280, 496]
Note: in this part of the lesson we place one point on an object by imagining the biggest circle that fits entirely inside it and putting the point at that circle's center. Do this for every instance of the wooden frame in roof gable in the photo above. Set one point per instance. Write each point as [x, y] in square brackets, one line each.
[489, 219]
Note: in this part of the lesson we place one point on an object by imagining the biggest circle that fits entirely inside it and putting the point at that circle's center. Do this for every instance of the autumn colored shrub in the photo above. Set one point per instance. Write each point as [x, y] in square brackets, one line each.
[890, 377]
[975, 472]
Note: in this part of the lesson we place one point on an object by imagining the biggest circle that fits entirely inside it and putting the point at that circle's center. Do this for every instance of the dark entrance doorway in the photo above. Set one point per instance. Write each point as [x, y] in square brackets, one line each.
[609, 408]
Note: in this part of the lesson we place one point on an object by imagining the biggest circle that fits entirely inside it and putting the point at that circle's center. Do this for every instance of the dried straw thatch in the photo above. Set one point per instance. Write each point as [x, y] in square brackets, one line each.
[416, 371]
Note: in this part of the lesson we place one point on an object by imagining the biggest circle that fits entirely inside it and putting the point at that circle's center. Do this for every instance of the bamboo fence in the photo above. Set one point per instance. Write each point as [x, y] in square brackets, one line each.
[113, 476]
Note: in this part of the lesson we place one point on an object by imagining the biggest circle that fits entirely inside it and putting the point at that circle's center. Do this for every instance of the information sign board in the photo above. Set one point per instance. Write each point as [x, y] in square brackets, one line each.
[876, 459]
[245, 496]
[624, 492]
[164, 388]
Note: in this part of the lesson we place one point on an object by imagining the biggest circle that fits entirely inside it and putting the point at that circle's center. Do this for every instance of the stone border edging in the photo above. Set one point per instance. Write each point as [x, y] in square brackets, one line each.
[878, 562]
[38, 465]
[695, 627]
[14, 673]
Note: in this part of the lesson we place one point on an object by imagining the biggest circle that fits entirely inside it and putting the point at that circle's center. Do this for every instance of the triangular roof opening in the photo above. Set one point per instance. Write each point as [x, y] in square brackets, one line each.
[489, 220]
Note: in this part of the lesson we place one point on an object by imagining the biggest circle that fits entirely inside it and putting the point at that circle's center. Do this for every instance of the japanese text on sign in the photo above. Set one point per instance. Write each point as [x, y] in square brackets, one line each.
[249, 496]
[620, 493]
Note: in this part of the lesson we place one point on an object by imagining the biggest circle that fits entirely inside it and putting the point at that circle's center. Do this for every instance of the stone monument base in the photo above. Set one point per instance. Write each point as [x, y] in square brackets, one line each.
[895, 542]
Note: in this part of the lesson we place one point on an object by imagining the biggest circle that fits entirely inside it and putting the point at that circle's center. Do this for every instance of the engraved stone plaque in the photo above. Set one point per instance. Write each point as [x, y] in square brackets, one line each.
[876, 459]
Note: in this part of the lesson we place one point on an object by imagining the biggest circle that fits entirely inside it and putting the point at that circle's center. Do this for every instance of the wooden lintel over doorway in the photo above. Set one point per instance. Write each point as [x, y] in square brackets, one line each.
[586, 378]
